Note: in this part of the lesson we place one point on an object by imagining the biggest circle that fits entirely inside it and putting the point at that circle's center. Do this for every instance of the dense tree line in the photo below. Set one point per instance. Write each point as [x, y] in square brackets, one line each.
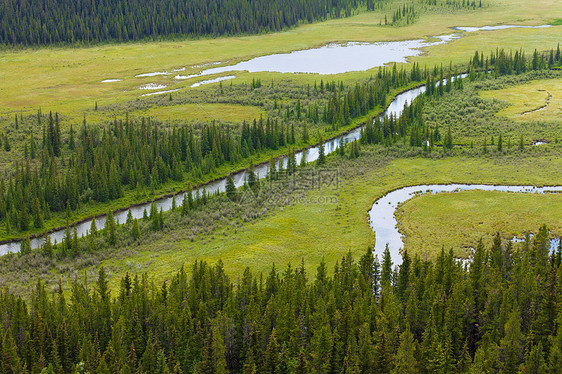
[404, 14]
[412, 124]
[504, 63]
[500, 313]
[68, 21]
[100, 165]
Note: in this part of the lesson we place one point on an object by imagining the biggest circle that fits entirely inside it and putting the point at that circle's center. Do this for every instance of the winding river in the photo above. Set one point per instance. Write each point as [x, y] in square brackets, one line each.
[381, 215]
[384, 224]
[311, 154]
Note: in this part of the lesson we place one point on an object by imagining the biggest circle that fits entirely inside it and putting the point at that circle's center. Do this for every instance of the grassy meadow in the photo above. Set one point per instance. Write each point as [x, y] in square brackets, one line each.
[327, 223]
[211, 111]
[460, 220]
[539, 100]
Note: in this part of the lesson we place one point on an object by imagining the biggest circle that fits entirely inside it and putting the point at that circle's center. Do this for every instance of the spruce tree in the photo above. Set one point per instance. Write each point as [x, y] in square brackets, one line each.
[321, 155]
[230, 187]
[386, 271]
[253, 182]
[448, 142]
[110, 229]
[135, 231]
[405, 358]
[37, 216]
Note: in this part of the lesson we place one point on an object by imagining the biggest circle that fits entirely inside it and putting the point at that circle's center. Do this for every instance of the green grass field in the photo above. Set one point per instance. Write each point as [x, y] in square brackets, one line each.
[538, 100]
[68, 80]
[316, 231]
[192, 112]
[459, 220]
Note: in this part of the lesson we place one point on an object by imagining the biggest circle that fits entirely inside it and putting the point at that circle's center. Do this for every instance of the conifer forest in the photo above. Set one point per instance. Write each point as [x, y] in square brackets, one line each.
[281, 187]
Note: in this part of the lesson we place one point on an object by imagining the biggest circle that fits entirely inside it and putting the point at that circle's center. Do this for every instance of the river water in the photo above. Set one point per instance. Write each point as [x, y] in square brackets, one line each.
[381, 215]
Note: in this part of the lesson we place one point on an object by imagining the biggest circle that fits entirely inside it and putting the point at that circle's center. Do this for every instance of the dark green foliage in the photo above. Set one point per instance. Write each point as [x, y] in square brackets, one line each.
[110, 228]
[448, 141]
[321, 153]
[432, 317]
[230, 188]
[68, 21]
[156, 218]
[135, 231]
[101, 165]
[403, 15]
[252, 180]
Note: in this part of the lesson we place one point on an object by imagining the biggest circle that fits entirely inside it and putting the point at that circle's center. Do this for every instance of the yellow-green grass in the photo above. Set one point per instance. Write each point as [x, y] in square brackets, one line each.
[526, 98]
[459, 220]
[191, 112]
[68, 80]
[315, 231]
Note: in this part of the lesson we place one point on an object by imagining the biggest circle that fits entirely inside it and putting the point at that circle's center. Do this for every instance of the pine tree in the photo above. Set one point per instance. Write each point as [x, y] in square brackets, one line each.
[511, 345]
[7, 146]
[271, 355]
[37, 216]
[253, 182]
[534, 362]
[135, 231]
[321, 155]
[93, 227]
[71, 142]
[219, 351]
[230, 188]
[386, 273]
[304, 134]
[405, 360]
[110, 229]
[448, 141]
[154, 217]
[149, 357]
[403, 276]
[302, 364]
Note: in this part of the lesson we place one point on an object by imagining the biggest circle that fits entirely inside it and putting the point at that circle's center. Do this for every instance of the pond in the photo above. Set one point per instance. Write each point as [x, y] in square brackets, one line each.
[332, 58]
[344, 58]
